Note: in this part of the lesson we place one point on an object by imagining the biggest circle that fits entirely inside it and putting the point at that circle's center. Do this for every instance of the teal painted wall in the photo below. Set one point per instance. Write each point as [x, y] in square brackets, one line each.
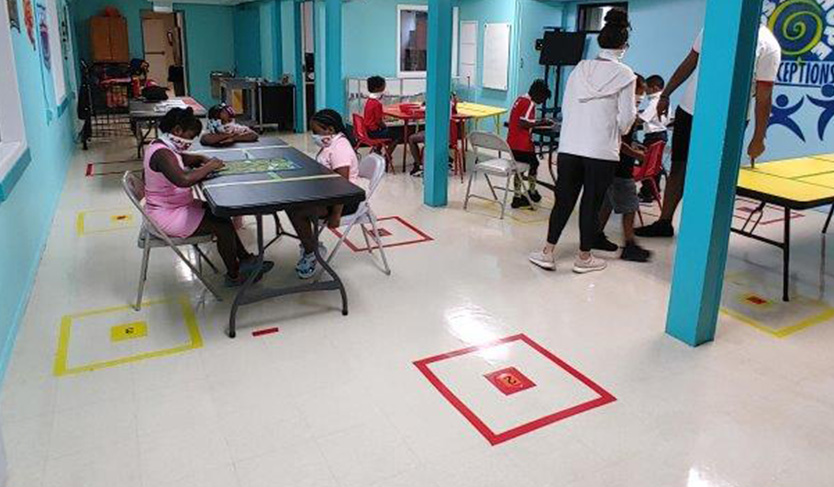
[26, 216]
[288, 39]
[209, 32]
[534, 16]
[247, 43]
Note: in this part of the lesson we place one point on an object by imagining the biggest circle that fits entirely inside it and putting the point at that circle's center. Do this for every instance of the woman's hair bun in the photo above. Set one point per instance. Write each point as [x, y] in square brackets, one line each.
[617, 17]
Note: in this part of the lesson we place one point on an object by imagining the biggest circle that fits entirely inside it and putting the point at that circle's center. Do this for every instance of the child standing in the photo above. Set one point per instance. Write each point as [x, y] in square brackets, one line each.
[622, 197]
[336, 154]
[223, 130]
[374, 114]
[520, 137]
[170, 202]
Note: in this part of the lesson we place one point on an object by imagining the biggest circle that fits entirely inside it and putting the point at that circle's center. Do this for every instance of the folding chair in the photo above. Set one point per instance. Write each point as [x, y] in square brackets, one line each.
[363, 139]
[151, 237]
[371, 168]
[648, 172]
[504, 166]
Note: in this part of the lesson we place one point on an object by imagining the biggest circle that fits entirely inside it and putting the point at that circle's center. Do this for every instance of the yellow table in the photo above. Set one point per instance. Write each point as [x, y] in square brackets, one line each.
[476, 112]
[793, 184]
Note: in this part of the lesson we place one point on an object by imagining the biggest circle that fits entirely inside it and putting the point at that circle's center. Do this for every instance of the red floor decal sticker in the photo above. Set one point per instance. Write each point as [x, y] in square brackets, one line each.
[265, 331]
[757, 300]
[397, 233]
[509, 381]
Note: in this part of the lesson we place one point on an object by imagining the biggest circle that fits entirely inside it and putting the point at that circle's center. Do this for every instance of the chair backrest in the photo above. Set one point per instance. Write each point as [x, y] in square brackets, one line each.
[134, 188]
[490, 141]
[359, 129]
[372, 168]
[653, 164]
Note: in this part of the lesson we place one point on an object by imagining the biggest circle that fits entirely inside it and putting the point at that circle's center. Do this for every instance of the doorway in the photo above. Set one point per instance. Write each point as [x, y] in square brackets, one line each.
[308, 48]
[164, 46]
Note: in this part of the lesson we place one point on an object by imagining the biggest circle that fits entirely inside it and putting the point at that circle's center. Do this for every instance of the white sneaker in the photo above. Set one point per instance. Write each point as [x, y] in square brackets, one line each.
[592, 264]
[543, 259]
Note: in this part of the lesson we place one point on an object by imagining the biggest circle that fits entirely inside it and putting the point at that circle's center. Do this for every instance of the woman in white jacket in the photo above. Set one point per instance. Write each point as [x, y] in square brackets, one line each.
[599, 108]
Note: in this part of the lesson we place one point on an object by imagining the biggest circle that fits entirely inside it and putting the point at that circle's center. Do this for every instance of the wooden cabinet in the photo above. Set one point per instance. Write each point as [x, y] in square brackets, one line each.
[108, 40]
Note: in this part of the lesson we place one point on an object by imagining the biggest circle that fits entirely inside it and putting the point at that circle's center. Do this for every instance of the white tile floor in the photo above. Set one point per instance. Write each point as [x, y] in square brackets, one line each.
[337, 401]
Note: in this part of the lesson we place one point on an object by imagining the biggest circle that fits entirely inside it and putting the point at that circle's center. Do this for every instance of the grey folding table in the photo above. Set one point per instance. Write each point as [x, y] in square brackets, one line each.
[145, 115]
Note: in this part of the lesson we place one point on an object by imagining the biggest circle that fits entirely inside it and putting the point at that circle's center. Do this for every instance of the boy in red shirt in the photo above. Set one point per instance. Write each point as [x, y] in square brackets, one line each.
[520, 137]
[374, 116]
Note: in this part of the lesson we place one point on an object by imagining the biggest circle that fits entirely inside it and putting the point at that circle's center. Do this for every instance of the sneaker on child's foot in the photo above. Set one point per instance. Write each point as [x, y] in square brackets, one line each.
[246, 270]
[543, 259]
[635, 253]
[306, 267]
[535, 197]
[416, 171]
[520, 202]
[591, 264]
[660, 228]
[602, 243]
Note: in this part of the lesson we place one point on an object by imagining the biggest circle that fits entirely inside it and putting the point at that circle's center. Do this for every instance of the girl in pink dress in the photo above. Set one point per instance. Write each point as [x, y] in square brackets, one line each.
[338, 155]
[170, 174]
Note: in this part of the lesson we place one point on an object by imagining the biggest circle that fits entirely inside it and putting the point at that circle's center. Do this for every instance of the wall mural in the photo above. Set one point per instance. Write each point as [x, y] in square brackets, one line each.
[805, 93]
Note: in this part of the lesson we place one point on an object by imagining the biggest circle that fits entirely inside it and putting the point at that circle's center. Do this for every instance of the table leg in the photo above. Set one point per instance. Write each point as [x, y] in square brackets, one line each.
[786, 256]
[405, 142]
[498, 125]
[322, 260]
[239, 297]
[828, 220]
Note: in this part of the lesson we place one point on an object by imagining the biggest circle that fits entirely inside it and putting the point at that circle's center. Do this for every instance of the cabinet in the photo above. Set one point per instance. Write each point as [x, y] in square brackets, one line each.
[108, 40]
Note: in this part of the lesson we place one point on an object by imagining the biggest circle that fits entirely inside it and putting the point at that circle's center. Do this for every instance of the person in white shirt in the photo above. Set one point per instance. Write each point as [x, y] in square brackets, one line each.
[654, 124]
[768, 59]
[599, 108]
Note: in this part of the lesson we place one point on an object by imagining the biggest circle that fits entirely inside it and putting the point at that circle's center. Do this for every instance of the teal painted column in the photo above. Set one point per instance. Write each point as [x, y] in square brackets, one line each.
[334, 85]
[277, 45]
[726, 72]
[439, 85]
[300, 88]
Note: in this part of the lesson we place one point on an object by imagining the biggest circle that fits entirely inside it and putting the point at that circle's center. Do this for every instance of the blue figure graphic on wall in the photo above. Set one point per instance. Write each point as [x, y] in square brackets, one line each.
[827, 109]
[782, 113]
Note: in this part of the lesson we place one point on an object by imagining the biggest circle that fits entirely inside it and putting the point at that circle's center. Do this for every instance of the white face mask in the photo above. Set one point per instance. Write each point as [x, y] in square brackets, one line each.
[640, 99]
[179, 144]
[322, 140]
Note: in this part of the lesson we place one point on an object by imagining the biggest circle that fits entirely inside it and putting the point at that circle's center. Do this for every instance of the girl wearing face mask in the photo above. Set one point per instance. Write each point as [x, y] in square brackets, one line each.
[336, 153]
[170, 173]
[600, 107]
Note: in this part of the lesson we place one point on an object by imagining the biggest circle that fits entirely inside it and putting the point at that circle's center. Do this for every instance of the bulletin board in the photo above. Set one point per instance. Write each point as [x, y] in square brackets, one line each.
[496, 56]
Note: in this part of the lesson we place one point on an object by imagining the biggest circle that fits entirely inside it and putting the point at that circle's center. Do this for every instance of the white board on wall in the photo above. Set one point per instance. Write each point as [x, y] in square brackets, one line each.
[468, 52]
[496, 56]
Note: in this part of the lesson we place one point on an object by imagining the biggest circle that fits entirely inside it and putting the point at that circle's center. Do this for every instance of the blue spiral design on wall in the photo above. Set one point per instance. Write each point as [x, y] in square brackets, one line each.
[799, 25]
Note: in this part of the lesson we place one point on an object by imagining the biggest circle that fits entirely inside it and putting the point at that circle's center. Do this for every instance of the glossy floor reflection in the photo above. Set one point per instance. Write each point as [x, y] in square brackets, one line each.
[338, 401]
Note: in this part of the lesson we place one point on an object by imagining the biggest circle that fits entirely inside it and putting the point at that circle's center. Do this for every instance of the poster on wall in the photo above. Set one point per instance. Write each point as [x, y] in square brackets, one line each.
[29, 20]
[14, 15]
[43, 30]
[805, 84]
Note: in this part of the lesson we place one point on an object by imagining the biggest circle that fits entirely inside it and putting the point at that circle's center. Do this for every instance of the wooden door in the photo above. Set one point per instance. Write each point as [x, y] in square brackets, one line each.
[100, 39]
[119, 47]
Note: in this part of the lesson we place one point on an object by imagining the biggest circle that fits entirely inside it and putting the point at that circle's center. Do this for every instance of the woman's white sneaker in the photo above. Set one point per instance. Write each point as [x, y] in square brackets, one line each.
[543, 259]
[591, 264]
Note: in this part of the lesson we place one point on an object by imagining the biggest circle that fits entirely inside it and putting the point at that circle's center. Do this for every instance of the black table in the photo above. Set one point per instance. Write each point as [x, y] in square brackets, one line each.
[269, 141]
[259, 194]
[145, 115]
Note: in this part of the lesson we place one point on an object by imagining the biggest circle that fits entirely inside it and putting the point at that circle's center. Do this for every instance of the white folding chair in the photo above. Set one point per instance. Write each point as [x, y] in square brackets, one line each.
[504, 166]
[372, 169]
[151, 237]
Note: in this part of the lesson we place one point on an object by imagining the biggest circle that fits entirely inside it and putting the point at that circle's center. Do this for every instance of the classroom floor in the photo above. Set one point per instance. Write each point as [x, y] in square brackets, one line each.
[466, 367]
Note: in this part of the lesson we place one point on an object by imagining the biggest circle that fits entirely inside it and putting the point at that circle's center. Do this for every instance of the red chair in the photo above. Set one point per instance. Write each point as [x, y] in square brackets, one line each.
[379, 146]
[650, 170]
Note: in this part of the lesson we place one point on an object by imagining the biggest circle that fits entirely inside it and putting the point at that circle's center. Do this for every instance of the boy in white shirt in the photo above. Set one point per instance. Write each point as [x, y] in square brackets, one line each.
[654, 126]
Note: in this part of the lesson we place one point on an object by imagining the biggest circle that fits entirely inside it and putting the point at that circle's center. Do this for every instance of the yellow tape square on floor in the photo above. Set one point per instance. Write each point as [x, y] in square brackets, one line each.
[102, 221]
[751, 301]
[108, 337]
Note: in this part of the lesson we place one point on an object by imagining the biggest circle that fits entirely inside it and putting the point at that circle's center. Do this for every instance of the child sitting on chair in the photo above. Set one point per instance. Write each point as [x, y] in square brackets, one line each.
[622, 195]
[336, 154]
[375, 117]
[170, 174]
[223, 130]
[520, 138]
